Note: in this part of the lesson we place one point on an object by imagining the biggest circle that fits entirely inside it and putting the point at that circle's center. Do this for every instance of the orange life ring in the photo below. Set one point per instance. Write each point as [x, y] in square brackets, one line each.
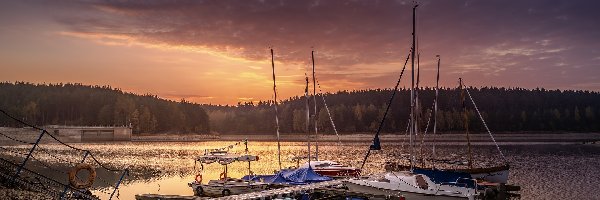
[222, 176]
[73, 174]
[199, 178]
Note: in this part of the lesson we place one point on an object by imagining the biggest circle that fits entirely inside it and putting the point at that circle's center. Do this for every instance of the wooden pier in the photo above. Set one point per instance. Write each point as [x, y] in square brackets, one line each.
[284, 192]
[291, 192]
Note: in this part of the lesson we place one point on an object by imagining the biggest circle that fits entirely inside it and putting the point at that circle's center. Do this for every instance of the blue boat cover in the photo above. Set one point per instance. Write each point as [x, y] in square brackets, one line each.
[299, 176]
[447, 177]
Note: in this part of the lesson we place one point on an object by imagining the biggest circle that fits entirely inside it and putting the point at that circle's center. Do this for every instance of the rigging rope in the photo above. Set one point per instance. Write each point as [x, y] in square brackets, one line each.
[485, 124]
[376, 138]
[329, 114]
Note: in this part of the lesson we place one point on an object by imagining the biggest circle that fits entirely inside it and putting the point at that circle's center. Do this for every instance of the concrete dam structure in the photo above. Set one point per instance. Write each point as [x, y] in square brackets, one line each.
[91, 133]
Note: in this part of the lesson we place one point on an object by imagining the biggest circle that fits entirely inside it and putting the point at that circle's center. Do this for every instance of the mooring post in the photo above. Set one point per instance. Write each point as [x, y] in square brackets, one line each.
[64, 193]
[126, 172]
[28, 155]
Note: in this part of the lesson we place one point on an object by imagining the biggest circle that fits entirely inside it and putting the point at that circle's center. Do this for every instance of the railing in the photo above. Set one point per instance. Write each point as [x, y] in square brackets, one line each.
[24, 174]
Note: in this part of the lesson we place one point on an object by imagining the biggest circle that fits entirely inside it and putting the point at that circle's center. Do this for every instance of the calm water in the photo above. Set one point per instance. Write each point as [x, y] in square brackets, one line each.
[544, 171]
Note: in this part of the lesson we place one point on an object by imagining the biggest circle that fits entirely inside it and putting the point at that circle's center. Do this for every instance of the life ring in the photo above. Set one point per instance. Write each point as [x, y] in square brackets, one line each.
[199, 178]
[222, 176]
[73, 175]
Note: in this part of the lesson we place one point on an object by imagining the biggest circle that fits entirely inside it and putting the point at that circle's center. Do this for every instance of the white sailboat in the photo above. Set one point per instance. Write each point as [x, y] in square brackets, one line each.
[409, 184]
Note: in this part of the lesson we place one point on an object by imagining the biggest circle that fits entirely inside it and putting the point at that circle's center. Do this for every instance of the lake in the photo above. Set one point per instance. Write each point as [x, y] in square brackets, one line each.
[543, 170]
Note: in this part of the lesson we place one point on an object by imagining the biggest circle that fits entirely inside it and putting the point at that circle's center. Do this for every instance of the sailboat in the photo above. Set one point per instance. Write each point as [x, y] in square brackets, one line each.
[411, 184]
[285, 177]
[494, 174]
[325, 167]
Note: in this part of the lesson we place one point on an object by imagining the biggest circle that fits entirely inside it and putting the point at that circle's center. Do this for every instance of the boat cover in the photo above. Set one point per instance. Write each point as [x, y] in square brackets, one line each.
[299, 176]
[447, 177]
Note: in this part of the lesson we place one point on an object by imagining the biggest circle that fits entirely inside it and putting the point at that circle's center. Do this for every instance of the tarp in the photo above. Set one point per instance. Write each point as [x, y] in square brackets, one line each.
[304, 175]
[447, 177]
[290, 176]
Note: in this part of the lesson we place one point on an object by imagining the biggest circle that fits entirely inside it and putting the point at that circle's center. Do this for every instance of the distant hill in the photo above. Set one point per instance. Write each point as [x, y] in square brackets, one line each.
[504, 109]
[77, 104]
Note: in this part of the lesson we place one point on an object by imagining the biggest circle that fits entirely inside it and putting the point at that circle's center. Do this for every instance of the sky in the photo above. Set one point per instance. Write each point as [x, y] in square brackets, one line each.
[217, 51]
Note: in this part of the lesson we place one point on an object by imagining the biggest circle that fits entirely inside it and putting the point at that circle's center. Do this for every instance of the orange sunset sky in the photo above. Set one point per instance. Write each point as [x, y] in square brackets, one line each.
[218, 51]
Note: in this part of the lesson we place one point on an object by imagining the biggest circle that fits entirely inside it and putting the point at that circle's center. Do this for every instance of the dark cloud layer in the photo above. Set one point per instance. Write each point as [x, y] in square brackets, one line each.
[548, 43]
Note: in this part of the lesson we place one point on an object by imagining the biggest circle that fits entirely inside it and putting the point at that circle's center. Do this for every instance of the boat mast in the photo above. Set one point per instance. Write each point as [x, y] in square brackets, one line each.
[276, 113]
[412, 90]
[312, 54]
[462, 96]
[307, 118]
[435, 107]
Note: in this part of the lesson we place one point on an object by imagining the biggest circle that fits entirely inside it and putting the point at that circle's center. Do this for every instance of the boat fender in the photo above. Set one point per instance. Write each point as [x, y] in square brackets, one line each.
[222, 176]
[73, 175]
[199, 178]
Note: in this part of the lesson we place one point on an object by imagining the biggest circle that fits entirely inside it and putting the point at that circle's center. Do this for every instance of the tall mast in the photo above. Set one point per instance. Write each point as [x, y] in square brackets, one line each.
[412, 89]
[435, 107]
[276, 113]
[462, 96]
[312, 55]
[307, 118]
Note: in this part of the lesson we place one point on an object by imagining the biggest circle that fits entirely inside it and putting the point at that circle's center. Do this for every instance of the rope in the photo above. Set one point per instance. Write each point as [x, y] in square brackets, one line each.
[386, 111]
[56, 139]
[329, 114]
[14, 139]
[423, 137]
[55, 157]
[485, 125]
[40, 161]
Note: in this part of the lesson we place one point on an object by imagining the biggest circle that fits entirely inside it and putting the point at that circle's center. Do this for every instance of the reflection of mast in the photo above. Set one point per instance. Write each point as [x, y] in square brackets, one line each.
[462, 97]
[276, 114]
[312, 54]
[307, 118]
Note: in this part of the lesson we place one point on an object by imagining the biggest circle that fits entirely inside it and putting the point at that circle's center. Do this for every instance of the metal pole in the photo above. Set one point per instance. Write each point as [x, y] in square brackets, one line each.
[412, 89]
[246, 144]
[462, 96]
[28, 155]
[276, 113]
[437, 85]
[307, 119]
[312, 54]
[126, 172]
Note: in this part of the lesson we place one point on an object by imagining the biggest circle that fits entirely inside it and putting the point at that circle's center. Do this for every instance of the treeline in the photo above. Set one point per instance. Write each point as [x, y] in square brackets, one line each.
[504, 109]
[77, 104]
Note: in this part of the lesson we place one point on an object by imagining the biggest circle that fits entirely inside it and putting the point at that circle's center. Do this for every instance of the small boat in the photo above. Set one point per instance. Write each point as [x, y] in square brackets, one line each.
[225, 185]
[413, 186]
[494, 174]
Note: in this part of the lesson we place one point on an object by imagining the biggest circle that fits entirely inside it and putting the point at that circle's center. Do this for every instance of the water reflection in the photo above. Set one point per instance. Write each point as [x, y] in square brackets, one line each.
[544, 171]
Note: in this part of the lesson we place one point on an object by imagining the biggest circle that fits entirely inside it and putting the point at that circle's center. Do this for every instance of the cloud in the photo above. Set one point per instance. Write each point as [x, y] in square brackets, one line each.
[359, 42]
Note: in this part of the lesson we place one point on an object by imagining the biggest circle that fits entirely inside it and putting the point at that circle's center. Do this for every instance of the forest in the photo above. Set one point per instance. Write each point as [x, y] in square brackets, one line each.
[504, 110]
[81, 105]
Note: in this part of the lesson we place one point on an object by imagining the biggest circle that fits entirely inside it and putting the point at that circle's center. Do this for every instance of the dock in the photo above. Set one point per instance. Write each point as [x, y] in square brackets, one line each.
[290, 192]
[284, 192]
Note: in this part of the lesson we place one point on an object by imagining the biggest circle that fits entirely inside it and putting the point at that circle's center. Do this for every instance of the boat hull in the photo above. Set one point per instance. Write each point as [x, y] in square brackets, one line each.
[496, 174]
[220, 190]
[365, 189]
